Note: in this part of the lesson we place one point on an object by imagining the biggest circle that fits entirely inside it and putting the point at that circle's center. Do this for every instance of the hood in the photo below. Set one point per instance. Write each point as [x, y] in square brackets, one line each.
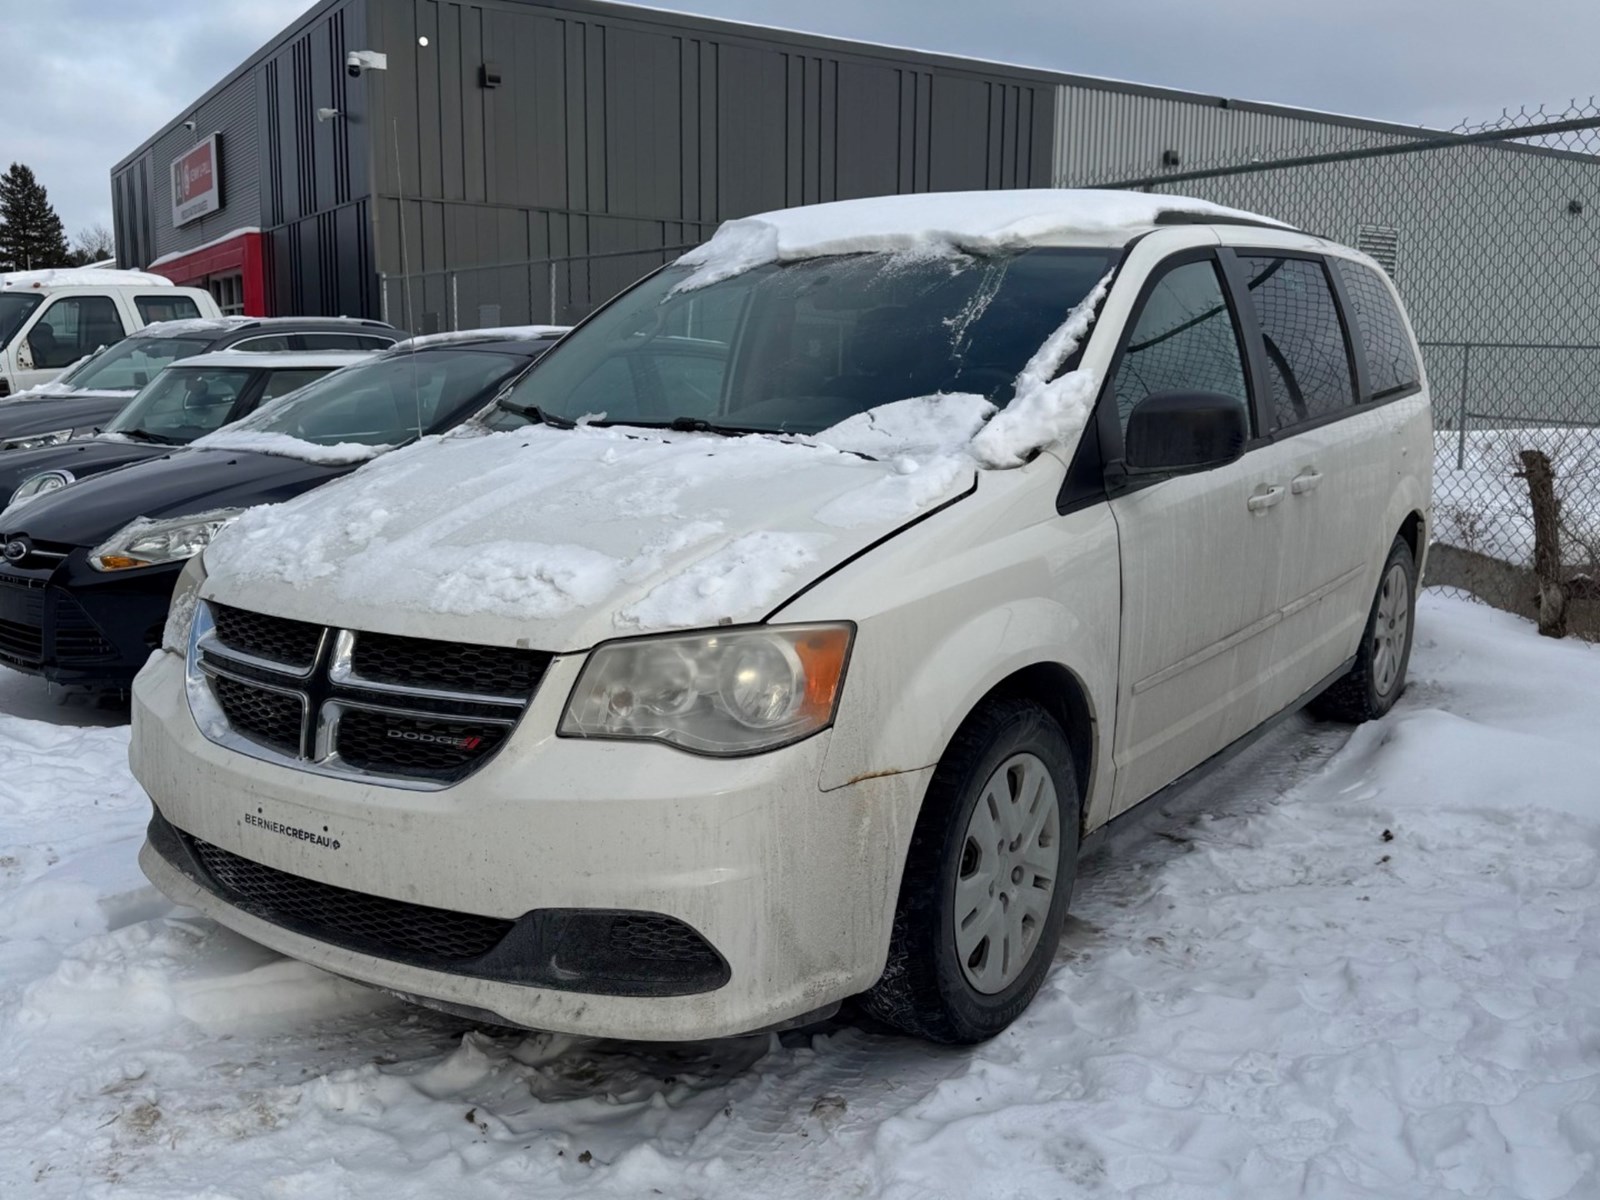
[177, 483]
[23, 416]
[85, 458]
[558, 539]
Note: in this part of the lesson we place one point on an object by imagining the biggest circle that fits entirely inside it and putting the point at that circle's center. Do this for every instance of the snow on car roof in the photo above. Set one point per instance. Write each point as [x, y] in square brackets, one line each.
[281, 360]
[505, 333]
[942, 223]
[60, 277]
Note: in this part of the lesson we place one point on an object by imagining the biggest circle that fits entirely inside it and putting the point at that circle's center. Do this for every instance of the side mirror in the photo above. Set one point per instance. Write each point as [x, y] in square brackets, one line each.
[1177, 432]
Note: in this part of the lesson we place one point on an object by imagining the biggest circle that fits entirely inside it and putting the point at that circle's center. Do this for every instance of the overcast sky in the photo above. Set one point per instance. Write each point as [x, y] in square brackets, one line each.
[85, 81]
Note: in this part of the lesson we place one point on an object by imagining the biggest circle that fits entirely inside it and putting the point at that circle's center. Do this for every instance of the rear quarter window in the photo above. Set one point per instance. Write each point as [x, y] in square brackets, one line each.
[165, 308]
[1391, 362]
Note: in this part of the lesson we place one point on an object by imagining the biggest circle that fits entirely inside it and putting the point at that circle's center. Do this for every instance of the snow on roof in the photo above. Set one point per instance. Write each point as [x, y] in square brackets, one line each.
[509, 333]
[940, 223]
[188, 326]
[62, 277]
[275, 360]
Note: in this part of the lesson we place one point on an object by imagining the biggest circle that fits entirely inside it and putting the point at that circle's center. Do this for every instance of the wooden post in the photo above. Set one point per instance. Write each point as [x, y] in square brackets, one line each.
[1541, 477]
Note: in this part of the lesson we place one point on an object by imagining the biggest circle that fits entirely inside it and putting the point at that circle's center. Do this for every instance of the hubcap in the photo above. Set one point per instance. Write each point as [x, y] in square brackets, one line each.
[1391, 630]
[1007, 875]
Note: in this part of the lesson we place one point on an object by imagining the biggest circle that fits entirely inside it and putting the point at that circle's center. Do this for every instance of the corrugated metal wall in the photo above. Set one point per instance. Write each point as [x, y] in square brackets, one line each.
[616, 130]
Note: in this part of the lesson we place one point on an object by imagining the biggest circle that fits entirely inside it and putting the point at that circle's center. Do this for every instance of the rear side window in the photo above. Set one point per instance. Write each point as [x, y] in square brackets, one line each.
[1391, 362]
[272, 343]
[344, 341]
[1183, 341]
[165, 308]
[281, 383]
[1308, 362]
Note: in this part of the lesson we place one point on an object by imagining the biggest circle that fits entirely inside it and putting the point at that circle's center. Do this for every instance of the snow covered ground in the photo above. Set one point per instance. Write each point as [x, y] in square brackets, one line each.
[1483, 505]
[1345, 966]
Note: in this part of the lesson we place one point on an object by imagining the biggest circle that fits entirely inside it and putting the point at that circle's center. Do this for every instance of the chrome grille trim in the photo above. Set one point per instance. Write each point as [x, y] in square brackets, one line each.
[327, 690]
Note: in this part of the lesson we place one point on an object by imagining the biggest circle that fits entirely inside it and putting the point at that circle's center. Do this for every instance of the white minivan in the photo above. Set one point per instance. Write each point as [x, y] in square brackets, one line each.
[51, 319]
[778, 637]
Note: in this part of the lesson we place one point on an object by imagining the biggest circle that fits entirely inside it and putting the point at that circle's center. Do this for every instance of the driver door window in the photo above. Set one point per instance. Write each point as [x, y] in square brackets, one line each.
[1184, 341]
[72, 327]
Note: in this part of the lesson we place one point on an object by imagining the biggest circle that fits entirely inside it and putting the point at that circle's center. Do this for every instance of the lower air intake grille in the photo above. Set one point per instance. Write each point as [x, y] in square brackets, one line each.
[389, 928]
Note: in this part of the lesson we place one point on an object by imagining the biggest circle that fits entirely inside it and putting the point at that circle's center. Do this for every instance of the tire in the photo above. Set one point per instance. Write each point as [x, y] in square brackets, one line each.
[930, 988]
[1378, 677]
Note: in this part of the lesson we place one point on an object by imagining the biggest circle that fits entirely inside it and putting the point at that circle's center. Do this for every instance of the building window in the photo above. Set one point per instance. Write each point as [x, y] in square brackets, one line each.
[228, 292]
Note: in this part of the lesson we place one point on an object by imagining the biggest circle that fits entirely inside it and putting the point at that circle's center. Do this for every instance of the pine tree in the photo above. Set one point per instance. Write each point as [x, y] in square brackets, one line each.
[31, 235]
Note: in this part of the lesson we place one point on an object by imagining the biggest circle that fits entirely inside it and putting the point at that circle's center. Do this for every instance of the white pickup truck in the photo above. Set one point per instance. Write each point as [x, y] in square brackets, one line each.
[51, 319]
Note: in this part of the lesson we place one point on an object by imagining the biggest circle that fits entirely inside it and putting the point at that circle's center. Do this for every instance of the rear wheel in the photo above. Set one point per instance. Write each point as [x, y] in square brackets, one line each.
[1378, 676]
[987, 879]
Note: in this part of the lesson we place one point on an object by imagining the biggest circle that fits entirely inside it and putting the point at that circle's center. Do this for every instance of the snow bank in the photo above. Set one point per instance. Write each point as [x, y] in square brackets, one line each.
[936, 223]
[283, 445]
[1356, 966]
[60, 277]
[508, 332]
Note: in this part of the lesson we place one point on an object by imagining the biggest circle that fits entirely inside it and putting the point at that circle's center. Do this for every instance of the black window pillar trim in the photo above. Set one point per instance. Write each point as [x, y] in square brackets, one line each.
[1257, 372]
[1102, 454]
[1354, 339]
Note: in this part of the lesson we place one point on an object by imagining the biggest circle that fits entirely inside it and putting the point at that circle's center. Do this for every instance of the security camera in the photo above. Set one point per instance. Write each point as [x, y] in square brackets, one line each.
[189, 125]
[358, 61]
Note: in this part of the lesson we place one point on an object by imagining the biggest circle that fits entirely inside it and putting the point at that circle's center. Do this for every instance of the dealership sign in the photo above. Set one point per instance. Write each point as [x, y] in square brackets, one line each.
[196, 182]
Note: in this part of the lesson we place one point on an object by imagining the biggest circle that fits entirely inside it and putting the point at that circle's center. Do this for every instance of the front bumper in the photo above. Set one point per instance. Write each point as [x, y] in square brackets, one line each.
[76, 626]
[793, 887]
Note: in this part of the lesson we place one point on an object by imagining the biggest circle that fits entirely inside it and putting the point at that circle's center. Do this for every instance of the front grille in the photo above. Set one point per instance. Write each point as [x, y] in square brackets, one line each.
[420, 712]
[388, 743]
[269, 717]
[390, 928]
[449, 666]
[277, 639]
[654, 937]
[21, 643]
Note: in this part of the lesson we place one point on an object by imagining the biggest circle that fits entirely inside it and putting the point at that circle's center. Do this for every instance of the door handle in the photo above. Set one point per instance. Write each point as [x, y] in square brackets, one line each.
[1306, 481]
[1267, 497]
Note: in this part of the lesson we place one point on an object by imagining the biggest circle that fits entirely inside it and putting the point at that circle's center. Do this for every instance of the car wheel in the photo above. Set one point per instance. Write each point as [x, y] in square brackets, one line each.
[1378, 676]
[987, 879]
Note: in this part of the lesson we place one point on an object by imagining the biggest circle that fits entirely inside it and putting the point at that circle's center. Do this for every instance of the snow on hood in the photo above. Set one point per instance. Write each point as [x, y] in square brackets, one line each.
[559, 539]
[936, 223]
[282, 445]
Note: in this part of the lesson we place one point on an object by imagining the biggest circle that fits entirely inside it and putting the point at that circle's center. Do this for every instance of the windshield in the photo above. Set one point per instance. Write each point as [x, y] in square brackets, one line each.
[182, 404]
[132, 363]
[14, 310]
[389, 400]
[800, 347]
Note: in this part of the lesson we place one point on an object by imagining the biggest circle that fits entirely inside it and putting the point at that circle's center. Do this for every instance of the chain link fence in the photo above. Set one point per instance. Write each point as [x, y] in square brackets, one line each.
[1492, 234]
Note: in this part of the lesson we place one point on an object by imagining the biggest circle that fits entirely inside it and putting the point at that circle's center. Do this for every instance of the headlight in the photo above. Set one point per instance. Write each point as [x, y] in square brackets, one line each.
[146, 543]
[180, 613]
[723, 691]
[35, 440]
[40, 484]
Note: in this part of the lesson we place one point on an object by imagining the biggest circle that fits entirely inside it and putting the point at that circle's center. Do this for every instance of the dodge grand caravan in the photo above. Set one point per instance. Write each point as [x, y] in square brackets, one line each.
[777, 638]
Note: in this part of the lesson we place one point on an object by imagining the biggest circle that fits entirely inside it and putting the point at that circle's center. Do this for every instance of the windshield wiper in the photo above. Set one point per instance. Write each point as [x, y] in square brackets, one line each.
[688, 425]
[144, 435]
[534, 413]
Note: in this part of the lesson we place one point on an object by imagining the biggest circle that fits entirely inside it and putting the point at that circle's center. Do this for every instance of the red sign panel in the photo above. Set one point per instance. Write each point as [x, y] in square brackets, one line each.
[196, 182]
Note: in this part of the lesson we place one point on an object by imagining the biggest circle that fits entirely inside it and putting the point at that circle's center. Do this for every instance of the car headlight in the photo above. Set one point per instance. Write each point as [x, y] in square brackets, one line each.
[34, 441]
[721, 691]
[41, 484]
[146, 543]
[185, 599]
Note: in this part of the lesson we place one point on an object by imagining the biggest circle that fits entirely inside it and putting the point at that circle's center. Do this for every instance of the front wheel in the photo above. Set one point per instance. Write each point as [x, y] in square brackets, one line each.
[1378, 675]
[987, 879]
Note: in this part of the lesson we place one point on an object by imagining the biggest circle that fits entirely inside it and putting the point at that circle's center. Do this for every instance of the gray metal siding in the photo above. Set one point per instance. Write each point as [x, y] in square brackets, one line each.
[622, 129]
[1105, 134]
[144, 213]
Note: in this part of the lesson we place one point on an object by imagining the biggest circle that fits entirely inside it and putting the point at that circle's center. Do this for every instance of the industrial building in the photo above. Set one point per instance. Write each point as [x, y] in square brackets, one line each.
[459, 163]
